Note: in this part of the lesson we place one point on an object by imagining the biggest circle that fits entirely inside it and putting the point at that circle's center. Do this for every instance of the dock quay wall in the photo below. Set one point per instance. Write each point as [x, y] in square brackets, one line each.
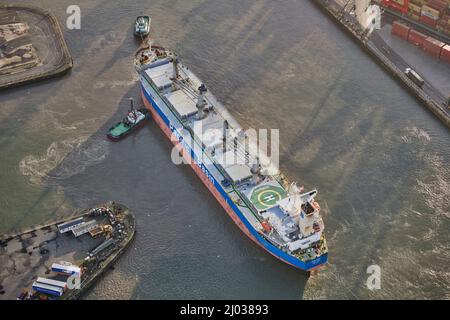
[62, 59]
[392, 63]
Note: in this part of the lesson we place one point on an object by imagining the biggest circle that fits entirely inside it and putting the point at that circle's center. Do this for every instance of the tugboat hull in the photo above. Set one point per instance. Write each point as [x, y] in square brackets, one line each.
[119, 131]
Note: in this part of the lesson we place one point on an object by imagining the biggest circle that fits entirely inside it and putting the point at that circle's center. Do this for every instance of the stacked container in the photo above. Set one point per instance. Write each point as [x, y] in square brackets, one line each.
[429, 16]
[445, 54]
[401, 30]
[433, 47]
[417, 38]
[430, 45]
[433, 13]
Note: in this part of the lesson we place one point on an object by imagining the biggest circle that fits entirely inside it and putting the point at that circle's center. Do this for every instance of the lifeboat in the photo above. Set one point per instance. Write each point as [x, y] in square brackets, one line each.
[266, 226]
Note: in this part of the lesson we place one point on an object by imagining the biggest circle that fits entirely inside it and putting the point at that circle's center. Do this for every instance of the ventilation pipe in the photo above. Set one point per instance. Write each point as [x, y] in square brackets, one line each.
[201, 100]
[226, 126]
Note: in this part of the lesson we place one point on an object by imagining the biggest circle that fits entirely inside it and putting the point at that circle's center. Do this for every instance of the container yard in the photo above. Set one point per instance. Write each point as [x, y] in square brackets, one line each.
[32, 46]
[425, 49]
[39, 263]
[432, 46]
[433, 88]
[431, 14]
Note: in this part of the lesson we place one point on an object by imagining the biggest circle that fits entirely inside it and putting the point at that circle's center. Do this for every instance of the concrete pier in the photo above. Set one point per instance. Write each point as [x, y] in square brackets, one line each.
[386, 57]
[32, 46]
[30, 254]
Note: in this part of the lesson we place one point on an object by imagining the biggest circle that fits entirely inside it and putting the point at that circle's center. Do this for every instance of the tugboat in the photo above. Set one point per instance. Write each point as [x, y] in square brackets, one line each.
[133, 120]
[142, 26]
[82, 248]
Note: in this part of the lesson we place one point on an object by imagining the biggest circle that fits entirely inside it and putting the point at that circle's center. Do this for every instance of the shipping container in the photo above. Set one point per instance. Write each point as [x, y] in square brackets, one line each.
[401, 30]
[438, 5]
[67, 226]
[431, 12]
[445, 54]
[47, 289]
[428, 21]
[414, 76]
[67, 270]
[417, 38]
[52, 282]
[415, 8]
[433, 47]
[84, 228]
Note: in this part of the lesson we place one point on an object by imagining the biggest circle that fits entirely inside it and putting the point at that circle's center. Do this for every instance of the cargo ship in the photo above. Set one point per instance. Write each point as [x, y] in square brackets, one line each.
[273, 212]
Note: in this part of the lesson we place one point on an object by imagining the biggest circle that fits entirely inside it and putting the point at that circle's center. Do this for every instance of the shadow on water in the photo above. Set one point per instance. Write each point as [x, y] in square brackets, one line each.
[123, 51]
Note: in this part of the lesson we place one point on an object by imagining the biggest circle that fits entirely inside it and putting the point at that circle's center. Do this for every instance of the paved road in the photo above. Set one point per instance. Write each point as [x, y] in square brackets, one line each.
[377, 42]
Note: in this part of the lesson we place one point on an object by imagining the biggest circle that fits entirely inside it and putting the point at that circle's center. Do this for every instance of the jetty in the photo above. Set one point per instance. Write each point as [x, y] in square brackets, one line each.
[32, 46]
[38, 263]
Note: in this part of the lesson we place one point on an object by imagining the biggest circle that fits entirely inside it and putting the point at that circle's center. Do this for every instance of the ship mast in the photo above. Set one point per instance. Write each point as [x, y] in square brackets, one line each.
[131, 104]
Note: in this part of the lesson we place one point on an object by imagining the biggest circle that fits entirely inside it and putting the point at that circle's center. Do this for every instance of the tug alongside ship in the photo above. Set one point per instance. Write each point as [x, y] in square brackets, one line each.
[270, 210]
[134, 120]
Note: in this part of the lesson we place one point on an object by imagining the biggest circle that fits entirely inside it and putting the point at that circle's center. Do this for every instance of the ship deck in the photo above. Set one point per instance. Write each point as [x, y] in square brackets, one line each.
[232, 164]
[229, 155]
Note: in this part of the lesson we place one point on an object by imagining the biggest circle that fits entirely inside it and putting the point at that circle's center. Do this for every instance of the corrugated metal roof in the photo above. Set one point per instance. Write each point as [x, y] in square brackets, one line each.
[62, 268]
[85, 227]
[161, 75]
[70, 223]
[184, 104]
